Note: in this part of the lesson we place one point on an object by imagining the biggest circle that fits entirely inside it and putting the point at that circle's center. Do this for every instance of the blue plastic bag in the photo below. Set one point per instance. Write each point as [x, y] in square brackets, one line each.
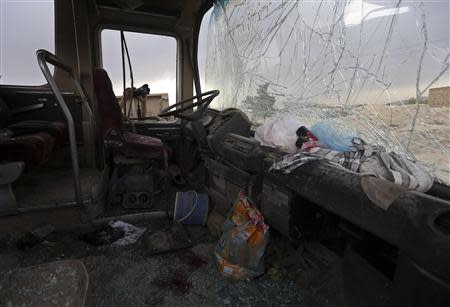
[333, 137]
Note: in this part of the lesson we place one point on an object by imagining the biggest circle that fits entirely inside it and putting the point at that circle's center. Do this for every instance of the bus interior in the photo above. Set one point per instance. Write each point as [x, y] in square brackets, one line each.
[96, 145]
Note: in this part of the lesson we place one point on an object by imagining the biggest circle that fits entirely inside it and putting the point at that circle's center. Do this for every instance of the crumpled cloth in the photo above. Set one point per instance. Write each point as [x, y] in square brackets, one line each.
[367, 160]
[380, 191]
[349, 159]
[397, 169]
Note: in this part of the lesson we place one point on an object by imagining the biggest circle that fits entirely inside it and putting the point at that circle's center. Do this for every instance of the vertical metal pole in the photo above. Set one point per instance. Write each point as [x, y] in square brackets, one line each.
[124, 44]
[71, 128]
[123, 73]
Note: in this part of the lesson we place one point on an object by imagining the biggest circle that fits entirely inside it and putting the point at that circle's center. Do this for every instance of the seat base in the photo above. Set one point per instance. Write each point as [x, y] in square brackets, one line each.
[142, 146]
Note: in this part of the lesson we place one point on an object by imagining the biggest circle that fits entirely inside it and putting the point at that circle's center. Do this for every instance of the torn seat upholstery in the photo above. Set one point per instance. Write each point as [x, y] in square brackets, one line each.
[29, 141]
[56, 129]
[32, 149]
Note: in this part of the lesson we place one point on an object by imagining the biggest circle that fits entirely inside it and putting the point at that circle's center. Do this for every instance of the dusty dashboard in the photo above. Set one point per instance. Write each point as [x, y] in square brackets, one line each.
[416, 227]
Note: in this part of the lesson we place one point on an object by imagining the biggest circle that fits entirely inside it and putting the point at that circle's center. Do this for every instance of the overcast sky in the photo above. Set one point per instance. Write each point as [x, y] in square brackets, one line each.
[25, 27]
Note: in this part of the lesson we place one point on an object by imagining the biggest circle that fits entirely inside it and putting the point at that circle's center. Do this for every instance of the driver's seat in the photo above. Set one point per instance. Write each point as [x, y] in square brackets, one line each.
[131, 145]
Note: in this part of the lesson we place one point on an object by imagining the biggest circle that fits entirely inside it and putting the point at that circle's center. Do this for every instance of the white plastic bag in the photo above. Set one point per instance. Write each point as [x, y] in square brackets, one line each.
[279, 133]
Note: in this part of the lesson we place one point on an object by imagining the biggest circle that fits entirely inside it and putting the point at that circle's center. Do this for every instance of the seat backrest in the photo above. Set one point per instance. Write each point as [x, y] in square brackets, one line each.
[109, 109]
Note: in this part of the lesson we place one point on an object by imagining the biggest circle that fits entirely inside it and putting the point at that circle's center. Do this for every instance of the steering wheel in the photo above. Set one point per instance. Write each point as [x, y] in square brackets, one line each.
[203, 101]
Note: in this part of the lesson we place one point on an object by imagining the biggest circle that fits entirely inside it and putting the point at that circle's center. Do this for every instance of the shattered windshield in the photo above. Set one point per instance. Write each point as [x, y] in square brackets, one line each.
[378, 68]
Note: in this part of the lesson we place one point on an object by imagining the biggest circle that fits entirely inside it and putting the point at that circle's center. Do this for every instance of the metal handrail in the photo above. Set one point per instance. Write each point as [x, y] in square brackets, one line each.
[44, 57]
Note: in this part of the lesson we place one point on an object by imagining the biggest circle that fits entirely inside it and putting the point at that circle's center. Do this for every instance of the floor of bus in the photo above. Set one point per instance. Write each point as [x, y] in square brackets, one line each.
[53, 185]
[132, 276]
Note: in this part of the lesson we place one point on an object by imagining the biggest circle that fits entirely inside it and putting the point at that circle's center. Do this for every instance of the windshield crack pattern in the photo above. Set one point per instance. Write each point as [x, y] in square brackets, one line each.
[367, 66]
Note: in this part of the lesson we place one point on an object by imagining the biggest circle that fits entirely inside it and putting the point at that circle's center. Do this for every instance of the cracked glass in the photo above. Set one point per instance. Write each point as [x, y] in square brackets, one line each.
[378, 68]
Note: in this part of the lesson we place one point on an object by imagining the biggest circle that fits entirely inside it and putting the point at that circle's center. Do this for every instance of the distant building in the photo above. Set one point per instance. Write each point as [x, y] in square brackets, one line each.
[155, 103]
[151, 105]
[439, 97]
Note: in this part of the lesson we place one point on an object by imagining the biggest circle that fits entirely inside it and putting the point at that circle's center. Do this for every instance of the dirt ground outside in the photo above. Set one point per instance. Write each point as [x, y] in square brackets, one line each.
[430, 142]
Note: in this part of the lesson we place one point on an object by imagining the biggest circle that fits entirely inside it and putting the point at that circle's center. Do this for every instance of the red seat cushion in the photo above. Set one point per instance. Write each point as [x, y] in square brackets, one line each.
[33, 149]
[142, 146]
[26, 127]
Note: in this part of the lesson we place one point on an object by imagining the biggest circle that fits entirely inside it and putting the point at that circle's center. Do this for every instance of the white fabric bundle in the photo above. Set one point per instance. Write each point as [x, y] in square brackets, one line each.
[279, 133]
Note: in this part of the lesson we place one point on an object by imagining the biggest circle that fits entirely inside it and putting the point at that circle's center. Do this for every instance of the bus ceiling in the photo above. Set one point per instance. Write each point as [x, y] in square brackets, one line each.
[168, 8]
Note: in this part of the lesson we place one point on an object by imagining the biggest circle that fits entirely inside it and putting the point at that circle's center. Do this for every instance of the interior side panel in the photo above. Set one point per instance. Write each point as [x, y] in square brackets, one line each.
[32, 104]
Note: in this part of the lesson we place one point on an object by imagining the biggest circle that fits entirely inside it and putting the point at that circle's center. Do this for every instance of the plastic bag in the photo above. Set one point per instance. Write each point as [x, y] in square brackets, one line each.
[333, 137]
[279, 133]
[240, 251]
[306, 139]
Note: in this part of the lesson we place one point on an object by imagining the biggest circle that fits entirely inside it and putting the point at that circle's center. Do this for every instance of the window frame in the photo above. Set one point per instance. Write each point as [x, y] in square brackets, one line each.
[198, 28]
[99, 54]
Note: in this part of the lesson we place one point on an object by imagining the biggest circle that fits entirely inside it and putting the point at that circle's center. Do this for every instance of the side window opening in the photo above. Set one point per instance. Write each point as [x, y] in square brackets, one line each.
[25, 27]
[153, 60]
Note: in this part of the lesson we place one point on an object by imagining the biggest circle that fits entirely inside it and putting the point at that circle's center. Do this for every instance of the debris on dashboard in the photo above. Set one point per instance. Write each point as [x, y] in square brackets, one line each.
[306, 139]
[191, 208]
[279, 133]
[240, 251]
[332, 136]
[288, 134]
[329, 141]
[367, 160]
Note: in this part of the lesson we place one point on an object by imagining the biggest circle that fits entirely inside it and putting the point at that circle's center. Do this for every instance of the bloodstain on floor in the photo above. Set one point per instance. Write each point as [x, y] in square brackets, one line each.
[176, 281]
[192, 260]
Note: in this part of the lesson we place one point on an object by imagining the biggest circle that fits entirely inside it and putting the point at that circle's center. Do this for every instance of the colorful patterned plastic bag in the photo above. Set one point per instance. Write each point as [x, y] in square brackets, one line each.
[240, 251]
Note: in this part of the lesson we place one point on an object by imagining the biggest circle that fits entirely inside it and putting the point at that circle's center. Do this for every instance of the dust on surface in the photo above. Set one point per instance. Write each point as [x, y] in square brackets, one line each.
[130, 276]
